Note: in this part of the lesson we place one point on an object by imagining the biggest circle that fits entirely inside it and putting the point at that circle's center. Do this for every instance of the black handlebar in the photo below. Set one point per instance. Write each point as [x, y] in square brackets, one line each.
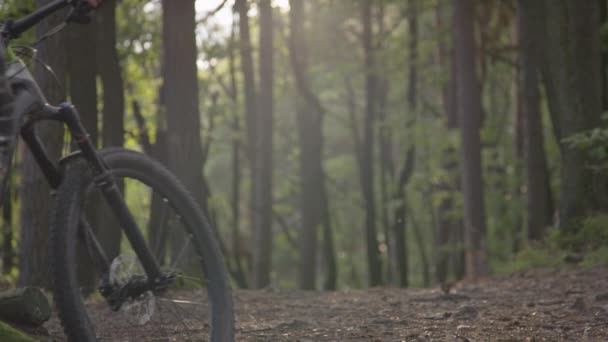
[13, 29]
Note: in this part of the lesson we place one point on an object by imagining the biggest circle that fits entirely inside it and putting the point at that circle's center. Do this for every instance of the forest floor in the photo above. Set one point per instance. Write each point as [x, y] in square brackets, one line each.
[539, 305]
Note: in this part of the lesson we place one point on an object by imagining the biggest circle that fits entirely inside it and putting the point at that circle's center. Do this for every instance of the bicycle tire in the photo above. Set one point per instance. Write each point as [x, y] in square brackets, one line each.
[67, 211]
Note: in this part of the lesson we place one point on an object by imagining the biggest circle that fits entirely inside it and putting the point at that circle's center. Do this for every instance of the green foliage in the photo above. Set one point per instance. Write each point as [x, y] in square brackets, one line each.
[10, 334]
[592, 235]
[594, 143]
[531, 257]
[589, 242]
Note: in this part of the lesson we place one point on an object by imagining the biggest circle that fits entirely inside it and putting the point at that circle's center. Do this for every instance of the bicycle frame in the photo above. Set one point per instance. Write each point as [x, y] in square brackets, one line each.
[31, 108]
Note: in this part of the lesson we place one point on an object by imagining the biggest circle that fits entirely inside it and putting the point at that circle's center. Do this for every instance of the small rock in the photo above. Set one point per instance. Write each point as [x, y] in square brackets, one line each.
[295, 324]
[573, 258]
[382, 321]
[573, 291]
[466, 313]
[601, 297]
[579, 304]
[464, 328]
[550, 302]
[438, 316]
[515, 323]
[598, 311]
[461, 330]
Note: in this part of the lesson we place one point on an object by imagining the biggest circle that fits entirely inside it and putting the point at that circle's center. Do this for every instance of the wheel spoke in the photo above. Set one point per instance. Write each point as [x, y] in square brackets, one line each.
[181, 252]
[161, 233]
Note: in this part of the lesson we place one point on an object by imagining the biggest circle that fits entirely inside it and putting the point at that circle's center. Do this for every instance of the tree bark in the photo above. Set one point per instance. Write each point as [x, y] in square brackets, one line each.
[262, 256]
[249, 90]
[603, 9]
[181, 96]
[111, 76]
[82, 71]
[469, 110]
[446, 238]
[34, 192]
[539, 204]
[241, 277]
[367, 148]
[82, 80]
[314, 208]
[571, 67]
[8, 252]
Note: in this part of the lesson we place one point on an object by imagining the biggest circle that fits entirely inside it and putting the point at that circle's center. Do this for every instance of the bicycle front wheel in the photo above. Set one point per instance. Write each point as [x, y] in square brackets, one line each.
[196, 303]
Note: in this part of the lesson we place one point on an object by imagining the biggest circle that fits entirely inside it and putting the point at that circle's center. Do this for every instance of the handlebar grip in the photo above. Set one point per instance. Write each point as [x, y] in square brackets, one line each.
[17, 27]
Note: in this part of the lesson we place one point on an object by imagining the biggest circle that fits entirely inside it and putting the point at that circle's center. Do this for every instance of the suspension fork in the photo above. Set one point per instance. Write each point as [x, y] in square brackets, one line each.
[102, 177]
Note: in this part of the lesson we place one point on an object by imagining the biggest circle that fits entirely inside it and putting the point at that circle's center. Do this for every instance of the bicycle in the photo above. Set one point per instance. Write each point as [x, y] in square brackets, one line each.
[155, 266]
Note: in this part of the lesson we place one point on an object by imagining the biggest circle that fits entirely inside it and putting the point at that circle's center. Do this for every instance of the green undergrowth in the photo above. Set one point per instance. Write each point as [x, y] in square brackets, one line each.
[10, 334]
[586, 247]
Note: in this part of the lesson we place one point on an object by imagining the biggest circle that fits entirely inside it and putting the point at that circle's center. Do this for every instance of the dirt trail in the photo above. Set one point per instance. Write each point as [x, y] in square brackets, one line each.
[536, 306]
[541, 305]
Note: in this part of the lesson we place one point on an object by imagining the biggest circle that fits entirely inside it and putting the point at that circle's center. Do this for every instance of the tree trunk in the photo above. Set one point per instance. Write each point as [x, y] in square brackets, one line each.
[82, 71]
[249, 90]
[385, 157]
[469, 110]
[367, 149]
[110, 73]
[539, 205]
[446, 225]
[181, 96]
[571, 73]
[82, 80]
[518, 178]
[34, 192]
[8, 252]
[603, 9]
[111, 77]
[314, 206]
[241, 278]
[262, 255]
[329, 250]
[400, 218]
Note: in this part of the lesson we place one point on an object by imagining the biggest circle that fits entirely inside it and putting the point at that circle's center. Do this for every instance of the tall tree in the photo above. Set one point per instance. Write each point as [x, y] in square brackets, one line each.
[181, 97]
[249, 90]
[237, 242]
[113, 104]
[34, 192]
[400, 213]
[263, 160]
[366, 164]
[314, 208]
[82, 73]
[469, 111]
[109, 70]
[449, 234]
[571, 67]
[82, 80]
[539, 203]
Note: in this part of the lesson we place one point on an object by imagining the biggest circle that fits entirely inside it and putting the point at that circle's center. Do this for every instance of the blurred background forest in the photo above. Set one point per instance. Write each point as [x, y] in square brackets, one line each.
[342, 144]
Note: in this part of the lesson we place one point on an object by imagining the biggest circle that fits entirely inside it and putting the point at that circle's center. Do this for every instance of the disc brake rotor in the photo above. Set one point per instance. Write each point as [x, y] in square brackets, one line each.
[125, 268]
